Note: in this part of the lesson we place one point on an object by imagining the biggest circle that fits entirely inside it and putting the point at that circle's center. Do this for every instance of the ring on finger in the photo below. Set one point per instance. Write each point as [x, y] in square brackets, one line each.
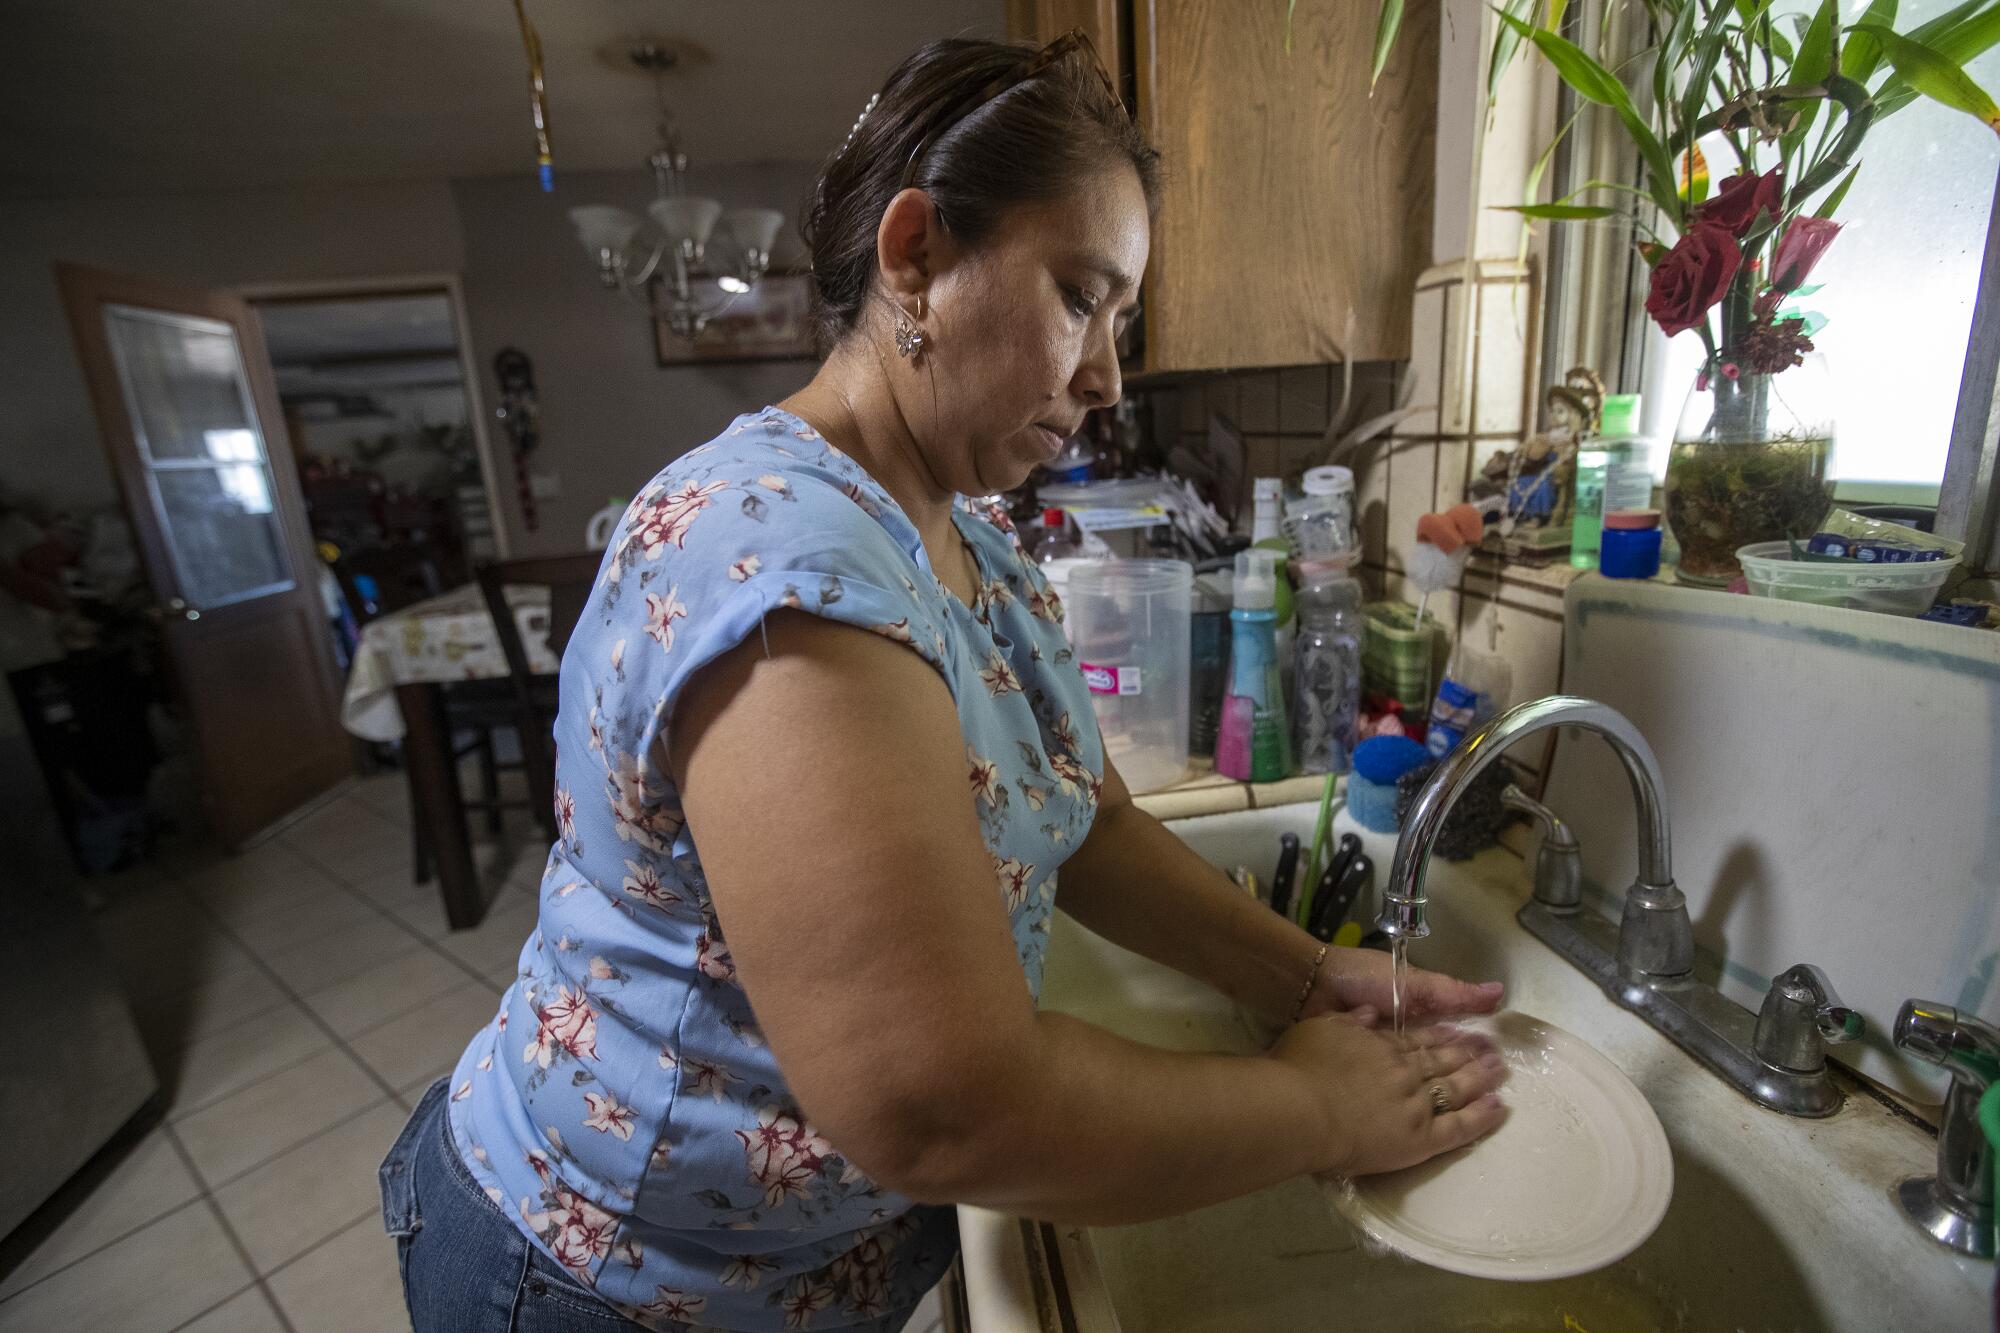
[1440, 1099]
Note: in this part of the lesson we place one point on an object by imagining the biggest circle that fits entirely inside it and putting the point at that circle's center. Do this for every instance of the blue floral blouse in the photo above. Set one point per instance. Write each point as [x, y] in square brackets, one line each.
[622, 1106]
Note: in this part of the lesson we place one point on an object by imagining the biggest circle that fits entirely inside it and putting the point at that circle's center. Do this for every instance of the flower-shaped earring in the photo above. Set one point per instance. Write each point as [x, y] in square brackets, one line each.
[910, 339]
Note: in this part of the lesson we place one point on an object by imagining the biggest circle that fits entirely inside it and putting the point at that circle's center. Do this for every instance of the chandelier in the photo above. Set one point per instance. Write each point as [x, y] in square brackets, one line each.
[684, 239]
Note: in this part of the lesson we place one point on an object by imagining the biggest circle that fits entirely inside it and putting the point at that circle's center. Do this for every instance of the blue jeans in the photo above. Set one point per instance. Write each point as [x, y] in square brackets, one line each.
[466, 1267]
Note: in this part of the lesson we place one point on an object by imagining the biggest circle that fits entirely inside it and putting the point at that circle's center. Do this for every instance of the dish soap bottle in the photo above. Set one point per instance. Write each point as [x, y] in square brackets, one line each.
[1253, 743]
[1613, 472]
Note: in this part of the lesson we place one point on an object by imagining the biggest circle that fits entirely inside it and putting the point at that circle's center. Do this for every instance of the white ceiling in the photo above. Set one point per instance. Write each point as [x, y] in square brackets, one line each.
[138, 97]
[347, 328]
[352, 345]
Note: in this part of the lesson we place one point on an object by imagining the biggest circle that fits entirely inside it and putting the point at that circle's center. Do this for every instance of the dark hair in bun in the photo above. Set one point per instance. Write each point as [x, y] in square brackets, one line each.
[934, 126]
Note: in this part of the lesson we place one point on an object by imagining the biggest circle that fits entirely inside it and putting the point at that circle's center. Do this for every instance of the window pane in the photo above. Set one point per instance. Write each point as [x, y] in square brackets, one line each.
[183, 381]
[226, 539]
[1896, 287]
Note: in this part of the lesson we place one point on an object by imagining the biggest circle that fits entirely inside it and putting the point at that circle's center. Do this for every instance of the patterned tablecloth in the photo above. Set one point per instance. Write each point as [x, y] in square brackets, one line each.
[450, 637]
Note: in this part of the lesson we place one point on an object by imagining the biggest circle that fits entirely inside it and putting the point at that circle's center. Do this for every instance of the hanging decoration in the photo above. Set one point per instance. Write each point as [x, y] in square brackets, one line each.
[538, 99]
[520, 414]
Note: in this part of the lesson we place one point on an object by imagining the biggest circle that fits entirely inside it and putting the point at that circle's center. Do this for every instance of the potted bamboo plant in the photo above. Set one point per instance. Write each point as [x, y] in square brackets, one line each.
[1791, 100]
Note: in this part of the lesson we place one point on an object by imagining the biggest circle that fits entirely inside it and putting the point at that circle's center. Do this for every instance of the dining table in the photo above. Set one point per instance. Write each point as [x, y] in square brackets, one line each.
[405, 666]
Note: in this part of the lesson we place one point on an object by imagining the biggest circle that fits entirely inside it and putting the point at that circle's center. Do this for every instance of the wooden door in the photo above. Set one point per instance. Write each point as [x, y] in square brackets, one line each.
[190, 418]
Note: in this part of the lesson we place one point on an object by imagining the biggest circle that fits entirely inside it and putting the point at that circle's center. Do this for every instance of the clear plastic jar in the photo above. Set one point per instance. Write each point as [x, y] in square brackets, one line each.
[1322, 524]
[1326, 680]
[1129, 620]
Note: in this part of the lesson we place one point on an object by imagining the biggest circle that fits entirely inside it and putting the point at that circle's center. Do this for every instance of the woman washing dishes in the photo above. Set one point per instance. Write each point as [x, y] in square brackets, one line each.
[823, 751]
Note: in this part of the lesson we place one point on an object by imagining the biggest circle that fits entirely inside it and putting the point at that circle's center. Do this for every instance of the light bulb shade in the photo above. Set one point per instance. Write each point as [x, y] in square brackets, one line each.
[754, 228]
[601, 227]
[685, 218]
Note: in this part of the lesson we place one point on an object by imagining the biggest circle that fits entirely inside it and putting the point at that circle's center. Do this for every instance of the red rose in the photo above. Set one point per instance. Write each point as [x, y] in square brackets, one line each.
[1693, 277]
[1741, 198]
[1799, 249]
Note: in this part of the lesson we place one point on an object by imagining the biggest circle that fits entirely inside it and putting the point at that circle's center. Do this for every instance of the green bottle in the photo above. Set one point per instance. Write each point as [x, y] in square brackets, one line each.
[1613, 472]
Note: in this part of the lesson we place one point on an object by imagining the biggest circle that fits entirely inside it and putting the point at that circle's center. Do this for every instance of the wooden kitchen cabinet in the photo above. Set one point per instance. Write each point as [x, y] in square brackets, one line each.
[1295, 209]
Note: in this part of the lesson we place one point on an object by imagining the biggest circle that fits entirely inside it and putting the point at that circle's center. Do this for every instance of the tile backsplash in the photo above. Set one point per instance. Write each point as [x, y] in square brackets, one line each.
[1476, 396]
[1282, 413]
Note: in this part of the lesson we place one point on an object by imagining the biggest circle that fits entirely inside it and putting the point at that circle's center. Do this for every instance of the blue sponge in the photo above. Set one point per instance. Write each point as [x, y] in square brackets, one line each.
[1384, 759]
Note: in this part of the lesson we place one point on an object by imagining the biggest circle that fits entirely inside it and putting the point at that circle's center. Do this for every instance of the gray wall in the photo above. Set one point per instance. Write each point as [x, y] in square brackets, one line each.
[611, 416]
[48, 438]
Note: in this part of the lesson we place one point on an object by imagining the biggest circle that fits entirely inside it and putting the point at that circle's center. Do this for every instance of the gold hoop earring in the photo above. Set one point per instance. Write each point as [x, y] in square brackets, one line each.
[910, 340]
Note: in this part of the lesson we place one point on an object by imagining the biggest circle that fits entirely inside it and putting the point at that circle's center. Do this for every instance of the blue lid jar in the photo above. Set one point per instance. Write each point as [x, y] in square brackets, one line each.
[1630, 547]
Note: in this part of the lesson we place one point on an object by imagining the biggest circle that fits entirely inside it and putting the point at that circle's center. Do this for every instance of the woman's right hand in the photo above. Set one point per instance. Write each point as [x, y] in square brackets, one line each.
[1375, 1089]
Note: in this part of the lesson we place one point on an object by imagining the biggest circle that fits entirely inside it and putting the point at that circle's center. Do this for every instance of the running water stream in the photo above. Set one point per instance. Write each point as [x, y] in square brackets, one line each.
[1399, 978]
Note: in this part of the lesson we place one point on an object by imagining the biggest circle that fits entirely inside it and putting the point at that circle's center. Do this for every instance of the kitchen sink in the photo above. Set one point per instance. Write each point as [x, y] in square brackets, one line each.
[1777, 1223]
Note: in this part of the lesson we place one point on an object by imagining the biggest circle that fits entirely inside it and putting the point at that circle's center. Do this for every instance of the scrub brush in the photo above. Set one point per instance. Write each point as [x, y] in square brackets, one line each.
[1445, 541]
[1475, 821]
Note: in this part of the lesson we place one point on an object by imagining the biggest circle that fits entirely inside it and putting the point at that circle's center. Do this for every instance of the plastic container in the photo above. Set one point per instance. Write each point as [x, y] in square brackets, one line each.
[1052, 541]
[1322, 524]
[1399, 657]
[1267, 498]
[1631, 544]
[1208, 661]
[1326, 697]
[1897, 590]
[1057, 572]
[1379, 762]
[1072, 464]
[1613, 472]
[1474, 688]
[1129, 620]
[1253, 744]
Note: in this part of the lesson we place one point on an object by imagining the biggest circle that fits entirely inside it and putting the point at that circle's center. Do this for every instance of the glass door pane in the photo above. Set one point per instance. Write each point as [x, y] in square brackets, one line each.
[198, 438]
[224, 534]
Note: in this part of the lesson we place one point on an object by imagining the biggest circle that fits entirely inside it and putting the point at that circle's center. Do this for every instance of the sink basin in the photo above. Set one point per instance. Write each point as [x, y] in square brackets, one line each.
[1777, 1224]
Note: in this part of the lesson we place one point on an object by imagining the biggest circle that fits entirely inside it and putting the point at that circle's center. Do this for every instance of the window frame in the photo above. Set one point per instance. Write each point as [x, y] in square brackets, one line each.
[1596, 303]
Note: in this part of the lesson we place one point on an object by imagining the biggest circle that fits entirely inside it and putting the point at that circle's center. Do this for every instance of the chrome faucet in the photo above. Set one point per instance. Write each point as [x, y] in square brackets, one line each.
[1954, 1207]
[1646, 962]
[1662, 945]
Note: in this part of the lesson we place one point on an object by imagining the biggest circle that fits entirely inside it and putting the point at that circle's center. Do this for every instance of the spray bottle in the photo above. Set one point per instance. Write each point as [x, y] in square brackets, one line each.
[1254, 742]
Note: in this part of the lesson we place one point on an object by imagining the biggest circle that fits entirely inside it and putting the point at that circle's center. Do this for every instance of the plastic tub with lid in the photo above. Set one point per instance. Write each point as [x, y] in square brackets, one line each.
[1897, 590]
[1130, 623]
[1322, 524]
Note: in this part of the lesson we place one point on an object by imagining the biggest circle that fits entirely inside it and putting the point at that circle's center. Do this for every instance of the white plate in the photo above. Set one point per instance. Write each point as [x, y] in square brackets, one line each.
[1576, 1178]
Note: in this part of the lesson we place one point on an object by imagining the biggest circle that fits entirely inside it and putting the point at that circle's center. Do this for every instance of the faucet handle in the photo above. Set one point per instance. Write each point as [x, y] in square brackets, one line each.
[1942, 1036]
[1559, 862]
[1835, 1020]
[1800, 1016]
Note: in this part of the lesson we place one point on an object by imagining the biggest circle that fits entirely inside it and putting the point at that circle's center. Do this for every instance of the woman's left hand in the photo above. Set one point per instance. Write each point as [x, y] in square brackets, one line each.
[1351, 978]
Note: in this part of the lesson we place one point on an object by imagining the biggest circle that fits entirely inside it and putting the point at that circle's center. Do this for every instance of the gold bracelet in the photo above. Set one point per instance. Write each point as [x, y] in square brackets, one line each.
[1300, 1007]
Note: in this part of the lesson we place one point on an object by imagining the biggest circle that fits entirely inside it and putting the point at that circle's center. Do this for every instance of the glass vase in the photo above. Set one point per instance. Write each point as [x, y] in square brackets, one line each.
[1752, 461]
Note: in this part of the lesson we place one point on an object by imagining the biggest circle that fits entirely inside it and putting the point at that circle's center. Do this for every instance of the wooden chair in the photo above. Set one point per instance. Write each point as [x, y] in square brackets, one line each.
[569, 579]
[479, 707]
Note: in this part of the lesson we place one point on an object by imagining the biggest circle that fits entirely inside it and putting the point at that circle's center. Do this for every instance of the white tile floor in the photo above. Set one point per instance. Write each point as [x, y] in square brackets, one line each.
[297, 1000]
